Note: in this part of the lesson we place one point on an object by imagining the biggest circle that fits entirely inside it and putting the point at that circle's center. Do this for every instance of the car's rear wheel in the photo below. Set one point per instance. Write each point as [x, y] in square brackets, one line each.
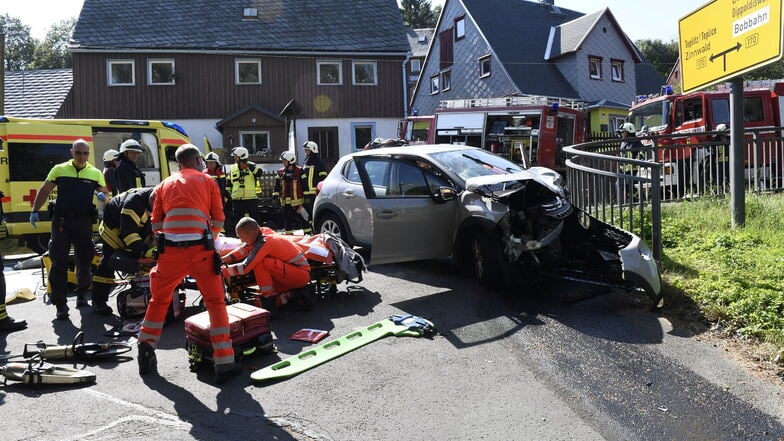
[331, 223]
[485, 260]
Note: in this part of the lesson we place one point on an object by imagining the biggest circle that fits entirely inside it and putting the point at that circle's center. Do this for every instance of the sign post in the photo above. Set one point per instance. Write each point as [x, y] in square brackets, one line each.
[719, 42]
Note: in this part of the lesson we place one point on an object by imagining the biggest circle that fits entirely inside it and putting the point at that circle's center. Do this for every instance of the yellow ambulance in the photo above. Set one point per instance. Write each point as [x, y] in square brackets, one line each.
[30, 147]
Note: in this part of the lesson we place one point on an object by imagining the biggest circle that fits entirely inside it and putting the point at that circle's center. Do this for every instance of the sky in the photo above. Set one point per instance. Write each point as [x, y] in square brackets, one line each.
[640, 19]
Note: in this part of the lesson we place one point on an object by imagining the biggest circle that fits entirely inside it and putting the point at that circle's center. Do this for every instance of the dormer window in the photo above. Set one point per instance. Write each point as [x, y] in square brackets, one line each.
[250, 13]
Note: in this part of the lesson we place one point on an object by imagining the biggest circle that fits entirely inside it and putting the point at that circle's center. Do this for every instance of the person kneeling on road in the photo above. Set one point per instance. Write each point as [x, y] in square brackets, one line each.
[125, 226]
[277, 264]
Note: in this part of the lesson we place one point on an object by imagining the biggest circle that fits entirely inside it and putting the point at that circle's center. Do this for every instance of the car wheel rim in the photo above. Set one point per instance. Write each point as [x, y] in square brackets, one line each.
[478, 258]
[331, 227]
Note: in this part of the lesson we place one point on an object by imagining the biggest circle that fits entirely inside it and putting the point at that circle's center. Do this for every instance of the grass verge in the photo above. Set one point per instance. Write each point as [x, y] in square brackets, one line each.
[735, 276]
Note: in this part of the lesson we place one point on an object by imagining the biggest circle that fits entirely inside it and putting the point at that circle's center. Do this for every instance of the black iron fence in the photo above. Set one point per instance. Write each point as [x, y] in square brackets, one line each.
[627, 187]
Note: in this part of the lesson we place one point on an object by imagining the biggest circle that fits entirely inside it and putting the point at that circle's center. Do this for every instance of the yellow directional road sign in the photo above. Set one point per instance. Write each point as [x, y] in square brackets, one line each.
[725, 38]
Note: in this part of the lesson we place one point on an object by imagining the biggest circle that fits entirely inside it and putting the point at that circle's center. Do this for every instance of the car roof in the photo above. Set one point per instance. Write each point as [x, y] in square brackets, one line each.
[416, 149]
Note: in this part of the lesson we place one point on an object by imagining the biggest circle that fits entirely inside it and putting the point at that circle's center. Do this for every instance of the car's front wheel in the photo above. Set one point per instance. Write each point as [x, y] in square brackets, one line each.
[485, 260]
[331, 223]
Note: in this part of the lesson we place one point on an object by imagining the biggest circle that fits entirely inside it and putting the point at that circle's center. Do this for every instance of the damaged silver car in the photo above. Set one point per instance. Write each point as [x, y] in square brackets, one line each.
[506, 224]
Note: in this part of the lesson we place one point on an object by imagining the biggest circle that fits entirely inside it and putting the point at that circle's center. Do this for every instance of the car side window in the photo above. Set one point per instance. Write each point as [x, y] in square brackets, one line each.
[378, 172]
[409, 182]
[351, 173]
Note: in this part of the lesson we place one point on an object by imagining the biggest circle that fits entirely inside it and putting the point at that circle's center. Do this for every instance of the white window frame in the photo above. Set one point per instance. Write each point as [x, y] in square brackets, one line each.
[171, 79]
[460, 30]
[416, 65]
[435, 85]
[616, 71]
[358, 125]
[337, 63]
[446, 80]
[254, 148]
[482, 60]
[110, 63]
[356, 63]
[238, 62]
[594, 60]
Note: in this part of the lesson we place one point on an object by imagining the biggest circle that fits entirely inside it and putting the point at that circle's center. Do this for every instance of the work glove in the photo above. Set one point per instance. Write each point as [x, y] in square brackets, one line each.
[150, 253]
[101, 196]
[34, 218]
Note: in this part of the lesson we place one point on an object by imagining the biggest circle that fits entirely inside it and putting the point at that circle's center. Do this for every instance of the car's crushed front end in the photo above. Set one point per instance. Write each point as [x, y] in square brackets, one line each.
[541, 232]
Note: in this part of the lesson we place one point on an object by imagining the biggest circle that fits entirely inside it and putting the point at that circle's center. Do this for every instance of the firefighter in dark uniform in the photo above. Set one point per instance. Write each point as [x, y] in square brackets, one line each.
[288, 193]
[7, 324]
[125, 226]
[315, 171]
[127, 174]
[241, 184]
[73, 215]
[215, 170]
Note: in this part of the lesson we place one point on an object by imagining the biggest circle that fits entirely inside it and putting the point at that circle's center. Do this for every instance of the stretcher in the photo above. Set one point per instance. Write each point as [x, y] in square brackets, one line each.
[327, 270]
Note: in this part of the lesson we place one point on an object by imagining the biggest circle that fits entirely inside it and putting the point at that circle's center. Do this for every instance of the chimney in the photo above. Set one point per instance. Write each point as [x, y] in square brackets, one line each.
[547, 2]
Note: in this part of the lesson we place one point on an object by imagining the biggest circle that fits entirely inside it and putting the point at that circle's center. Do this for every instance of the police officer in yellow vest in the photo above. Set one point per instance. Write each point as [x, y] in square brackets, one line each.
[241, 184]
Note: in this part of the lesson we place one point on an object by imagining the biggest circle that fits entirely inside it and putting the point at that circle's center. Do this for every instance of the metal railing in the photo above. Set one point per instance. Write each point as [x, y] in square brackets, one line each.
[626, 188]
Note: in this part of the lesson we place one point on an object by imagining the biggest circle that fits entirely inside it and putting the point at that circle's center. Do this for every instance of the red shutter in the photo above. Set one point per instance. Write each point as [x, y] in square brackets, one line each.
[445, 42]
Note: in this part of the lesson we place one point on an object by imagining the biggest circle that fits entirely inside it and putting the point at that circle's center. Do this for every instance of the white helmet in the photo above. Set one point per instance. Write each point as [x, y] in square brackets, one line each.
[131, 145]
[310, 145]
[627, 127]
[110, 155]
[288, 155]
[212, 156]
[240, 152]
[722, 127]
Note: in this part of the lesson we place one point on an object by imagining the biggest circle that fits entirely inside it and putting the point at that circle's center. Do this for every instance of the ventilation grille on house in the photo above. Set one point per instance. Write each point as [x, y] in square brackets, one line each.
[250, 13]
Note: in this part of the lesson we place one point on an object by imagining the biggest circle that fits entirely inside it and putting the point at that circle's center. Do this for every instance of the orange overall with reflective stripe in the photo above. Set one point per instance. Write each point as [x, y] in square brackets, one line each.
[186, 204]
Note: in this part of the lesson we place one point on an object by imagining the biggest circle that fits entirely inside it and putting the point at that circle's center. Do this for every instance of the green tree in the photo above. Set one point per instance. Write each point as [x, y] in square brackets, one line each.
[662, 55]
[19, 45]
[52, 52]
[419, 13]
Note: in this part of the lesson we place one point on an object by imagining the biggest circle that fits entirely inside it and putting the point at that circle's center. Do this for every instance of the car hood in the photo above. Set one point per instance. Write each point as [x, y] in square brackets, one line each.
[546, 177]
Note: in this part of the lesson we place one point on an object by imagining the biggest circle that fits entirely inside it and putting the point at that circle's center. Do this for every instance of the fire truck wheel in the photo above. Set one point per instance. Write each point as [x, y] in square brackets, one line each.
[39, 243]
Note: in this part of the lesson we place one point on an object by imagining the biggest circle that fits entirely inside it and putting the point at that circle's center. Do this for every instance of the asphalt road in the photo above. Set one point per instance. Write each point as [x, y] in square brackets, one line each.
[552, 361]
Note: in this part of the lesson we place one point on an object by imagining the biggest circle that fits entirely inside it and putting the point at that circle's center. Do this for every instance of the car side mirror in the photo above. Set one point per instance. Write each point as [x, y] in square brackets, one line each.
[445, 194]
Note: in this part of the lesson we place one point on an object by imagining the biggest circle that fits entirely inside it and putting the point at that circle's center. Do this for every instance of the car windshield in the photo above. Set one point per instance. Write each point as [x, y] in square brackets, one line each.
[653, 115]
[469, 163]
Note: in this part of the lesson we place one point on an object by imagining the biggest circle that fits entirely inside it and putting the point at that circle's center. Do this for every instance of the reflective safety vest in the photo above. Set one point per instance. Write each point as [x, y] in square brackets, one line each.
[126, 220]
[75, 187]
[315, 171]
[288, 186]
[186, 204]
[242, 183]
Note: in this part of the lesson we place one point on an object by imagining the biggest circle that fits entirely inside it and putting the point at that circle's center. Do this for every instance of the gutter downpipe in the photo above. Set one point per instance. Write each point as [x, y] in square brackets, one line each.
[405, 85]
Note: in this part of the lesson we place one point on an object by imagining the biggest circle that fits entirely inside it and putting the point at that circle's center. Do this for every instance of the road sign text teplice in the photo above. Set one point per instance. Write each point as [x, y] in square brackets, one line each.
[725, 38]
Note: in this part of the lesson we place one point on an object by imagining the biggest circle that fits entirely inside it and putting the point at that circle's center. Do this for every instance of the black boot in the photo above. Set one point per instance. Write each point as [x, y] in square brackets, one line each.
[147, 361]
[225, 372]
[10, 325]
[81, 298]
[62, 311]
[101, 308]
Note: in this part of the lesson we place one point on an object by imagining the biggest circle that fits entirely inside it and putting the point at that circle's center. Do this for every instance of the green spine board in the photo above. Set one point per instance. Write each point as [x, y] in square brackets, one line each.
[329, 351]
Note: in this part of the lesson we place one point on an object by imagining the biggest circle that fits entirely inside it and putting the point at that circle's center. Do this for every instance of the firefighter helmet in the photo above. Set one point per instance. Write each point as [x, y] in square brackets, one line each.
[627, 127]
[288, 155]
[212, 156]
[722, 128]
[131, 145]
[310, 145]
[110, 155]
[240, 152]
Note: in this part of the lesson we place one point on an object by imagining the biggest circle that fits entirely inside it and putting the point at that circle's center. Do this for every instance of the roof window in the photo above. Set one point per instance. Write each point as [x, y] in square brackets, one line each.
[250, 13]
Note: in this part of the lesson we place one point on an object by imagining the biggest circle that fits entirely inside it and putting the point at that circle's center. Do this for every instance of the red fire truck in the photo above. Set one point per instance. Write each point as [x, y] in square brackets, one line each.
[694, 114]
[530, 130]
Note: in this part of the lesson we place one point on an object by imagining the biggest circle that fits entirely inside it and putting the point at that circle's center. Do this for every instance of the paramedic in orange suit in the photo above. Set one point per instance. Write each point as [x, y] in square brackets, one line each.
[279, 266]
[188, 212]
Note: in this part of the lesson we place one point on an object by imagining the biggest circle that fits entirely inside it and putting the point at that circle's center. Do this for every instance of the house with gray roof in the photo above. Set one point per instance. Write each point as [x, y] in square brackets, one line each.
[36, 93]
[419, 41]
[337, 67]
[501, 48]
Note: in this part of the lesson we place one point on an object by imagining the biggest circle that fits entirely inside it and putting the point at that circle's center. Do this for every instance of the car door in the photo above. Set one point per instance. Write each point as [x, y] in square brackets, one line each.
[350, 197]
[408, 223]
